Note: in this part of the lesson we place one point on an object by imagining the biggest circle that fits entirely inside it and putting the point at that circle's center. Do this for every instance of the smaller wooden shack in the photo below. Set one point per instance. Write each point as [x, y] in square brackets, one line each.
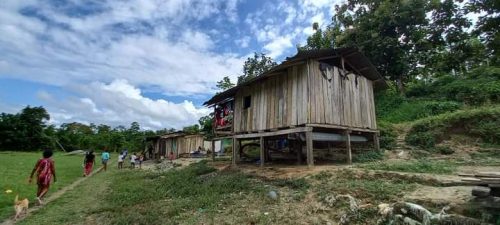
[180, 143]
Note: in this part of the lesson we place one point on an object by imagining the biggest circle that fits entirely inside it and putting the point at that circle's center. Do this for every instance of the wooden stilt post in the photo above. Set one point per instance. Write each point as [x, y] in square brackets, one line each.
[348, 146]
[309, 148]
[235, 152]
[262, 151]
[213, 150]
[376, 141]
[297, 145]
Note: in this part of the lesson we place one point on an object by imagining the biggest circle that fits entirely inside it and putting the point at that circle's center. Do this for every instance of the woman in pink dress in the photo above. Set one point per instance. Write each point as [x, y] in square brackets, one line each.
[88, 163]
[45, 170]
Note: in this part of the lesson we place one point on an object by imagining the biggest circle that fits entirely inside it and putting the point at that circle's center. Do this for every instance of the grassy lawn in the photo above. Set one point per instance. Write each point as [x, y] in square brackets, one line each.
[414, 166]
[198, 194]
[15, 168]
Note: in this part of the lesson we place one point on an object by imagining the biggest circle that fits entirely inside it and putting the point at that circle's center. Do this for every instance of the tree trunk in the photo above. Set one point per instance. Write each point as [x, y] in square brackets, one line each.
[400, 85]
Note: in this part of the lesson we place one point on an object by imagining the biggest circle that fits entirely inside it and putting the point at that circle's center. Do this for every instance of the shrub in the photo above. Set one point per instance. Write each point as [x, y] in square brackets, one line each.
[369, 156]
[482, 122]
[421, 139]
[387, 135]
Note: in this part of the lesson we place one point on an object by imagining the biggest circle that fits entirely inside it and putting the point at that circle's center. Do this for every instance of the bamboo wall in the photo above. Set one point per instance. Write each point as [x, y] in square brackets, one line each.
[294, 98]
[189, 143]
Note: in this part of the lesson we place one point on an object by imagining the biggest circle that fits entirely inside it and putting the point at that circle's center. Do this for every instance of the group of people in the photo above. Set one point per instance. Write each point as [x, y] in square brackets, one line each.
[134, 159]
[45, 168]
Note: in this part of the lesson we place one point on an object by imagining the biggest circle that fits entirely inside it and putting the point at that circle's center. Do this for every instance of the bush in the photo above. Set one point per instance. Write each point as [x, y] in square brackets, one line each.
[476, 87]
[370, 156]
[482, 122]
[387, 135]
[394, 108]
[421, 139]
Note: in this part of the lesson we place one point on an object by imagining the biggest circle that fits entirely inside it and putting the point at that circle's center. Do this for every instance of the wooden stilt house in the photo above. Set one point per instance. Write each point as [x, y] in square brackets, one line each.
[317, 95]
[181, 144]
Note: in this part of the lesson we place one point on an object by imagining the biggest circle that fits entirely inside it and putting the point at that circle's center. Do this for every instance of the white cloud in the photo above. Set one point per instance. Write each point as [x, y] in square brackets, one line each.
[120, 103]
[243, 42]
[277, 46]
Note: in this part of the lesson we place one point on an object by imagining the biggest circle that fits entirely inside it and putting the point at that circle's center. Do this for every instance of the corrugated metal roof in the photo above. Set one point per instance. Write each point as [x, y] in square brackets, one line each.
[354, 57]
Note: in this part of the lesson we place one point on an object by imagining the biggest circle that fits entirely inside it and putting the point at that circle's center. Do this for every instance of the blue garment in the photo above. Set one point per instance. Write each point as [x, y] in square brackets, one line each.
[105, 156]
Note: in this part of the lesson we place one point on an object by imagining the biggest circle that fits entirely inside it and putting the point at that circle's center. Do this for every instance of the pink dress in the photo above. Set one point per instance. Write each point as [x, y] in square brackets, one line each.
[44, 169]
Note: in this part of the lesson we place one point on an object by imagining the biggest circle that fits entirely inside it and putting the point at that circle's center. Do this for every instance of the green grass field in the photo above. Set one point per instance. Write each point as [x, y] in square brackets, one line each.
[15, 168]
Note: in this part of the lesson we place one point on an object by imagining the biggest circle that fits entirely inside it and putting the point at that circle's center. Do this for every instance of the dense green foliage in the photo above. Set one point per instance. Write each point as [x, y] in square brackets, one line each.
[478, 86]
[255, 66]
[413, 40]
[388, 135]
[24, 130]
[483, 123]
[394, 108]
[28, 131]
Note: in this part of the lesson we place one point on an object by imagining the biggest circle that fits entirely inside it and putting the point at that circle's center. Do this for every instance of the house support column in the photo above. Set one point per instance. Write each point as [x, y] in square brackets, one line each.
[213, 150]
[235, 152]
[157, 149]
[297, 145]
[309, 148]
[262, 151]
[348, 146]
[376, 141]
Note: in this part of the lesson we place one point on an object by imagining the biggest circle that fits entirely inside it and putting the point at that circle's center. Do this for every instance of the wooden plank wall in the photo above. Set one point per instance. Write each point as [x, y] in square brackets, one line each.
[283, 100]
[340, 101]
[189, 143]
[279, 101]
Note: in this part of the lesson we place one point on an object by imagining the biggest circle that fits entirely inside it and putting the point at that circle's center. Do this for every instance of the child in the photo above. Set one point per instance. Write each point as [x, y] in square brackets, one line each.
[141, 158]
[171, 156]
[45, 170]
[120, 161]
[133, 158]
[104, 159]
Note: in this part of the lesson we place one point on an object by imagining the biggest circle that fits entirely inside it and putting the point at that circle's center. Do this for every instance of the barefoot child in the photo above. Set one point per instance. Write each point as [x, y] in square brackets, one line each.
[45, 170]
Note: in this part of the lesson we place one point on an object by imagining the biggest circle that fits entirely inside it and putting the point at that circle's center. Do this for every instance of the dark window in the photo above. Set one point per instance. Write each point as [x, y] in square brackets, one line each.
[247, 102]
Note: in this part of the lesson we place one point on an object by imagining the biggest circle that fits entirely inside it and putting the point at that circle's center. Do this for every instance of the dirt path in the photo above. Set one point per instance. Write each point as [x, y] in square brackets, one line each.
[50, 198]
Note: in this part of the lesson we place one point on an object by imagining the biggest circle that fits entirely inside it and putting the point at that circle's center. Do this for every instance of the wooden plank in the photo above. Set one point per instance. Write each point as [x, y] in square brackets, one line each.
[274, 133]
[262, 150]
[304, 97]
[348, 146]
[309, 149]
[376, 142]
[293, 100]
[234, 160]
[488, 174]
[289, 111]
[284, 88]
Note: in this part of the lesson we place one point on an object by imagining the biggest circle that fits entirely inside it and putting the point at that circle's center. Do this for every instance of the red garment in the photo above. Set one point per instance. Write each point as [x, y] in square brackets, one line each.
[88, 167]
[171, 157]
[44, 171]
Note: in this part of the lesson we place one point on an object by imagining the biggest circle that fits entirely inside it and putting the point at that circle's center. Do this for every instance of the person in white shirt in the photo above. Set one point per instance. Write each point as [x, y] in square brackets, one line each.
[133, 158]
[120, 161]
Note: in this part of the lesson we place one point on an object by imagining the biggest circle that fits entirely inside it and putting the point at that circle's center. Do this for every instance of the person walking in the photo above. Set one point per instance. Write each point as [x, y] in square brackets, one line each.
[88, 163]
[120, 161]
[104, 159]
[45, 171]
[133, 159]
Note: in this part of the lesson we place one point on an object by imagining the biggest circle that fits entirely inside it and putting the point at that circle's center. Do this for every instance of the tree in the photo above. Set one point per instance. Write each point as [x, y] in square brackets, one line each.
[255, 66]
[193, 129]
[224, 84]
[488, 25]
[206, 124]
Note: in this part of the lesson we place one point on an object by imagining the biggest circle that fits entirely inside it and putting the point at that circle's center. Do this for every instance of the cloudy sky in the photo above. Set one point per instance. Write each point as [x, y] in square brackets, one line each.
[150, 61]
